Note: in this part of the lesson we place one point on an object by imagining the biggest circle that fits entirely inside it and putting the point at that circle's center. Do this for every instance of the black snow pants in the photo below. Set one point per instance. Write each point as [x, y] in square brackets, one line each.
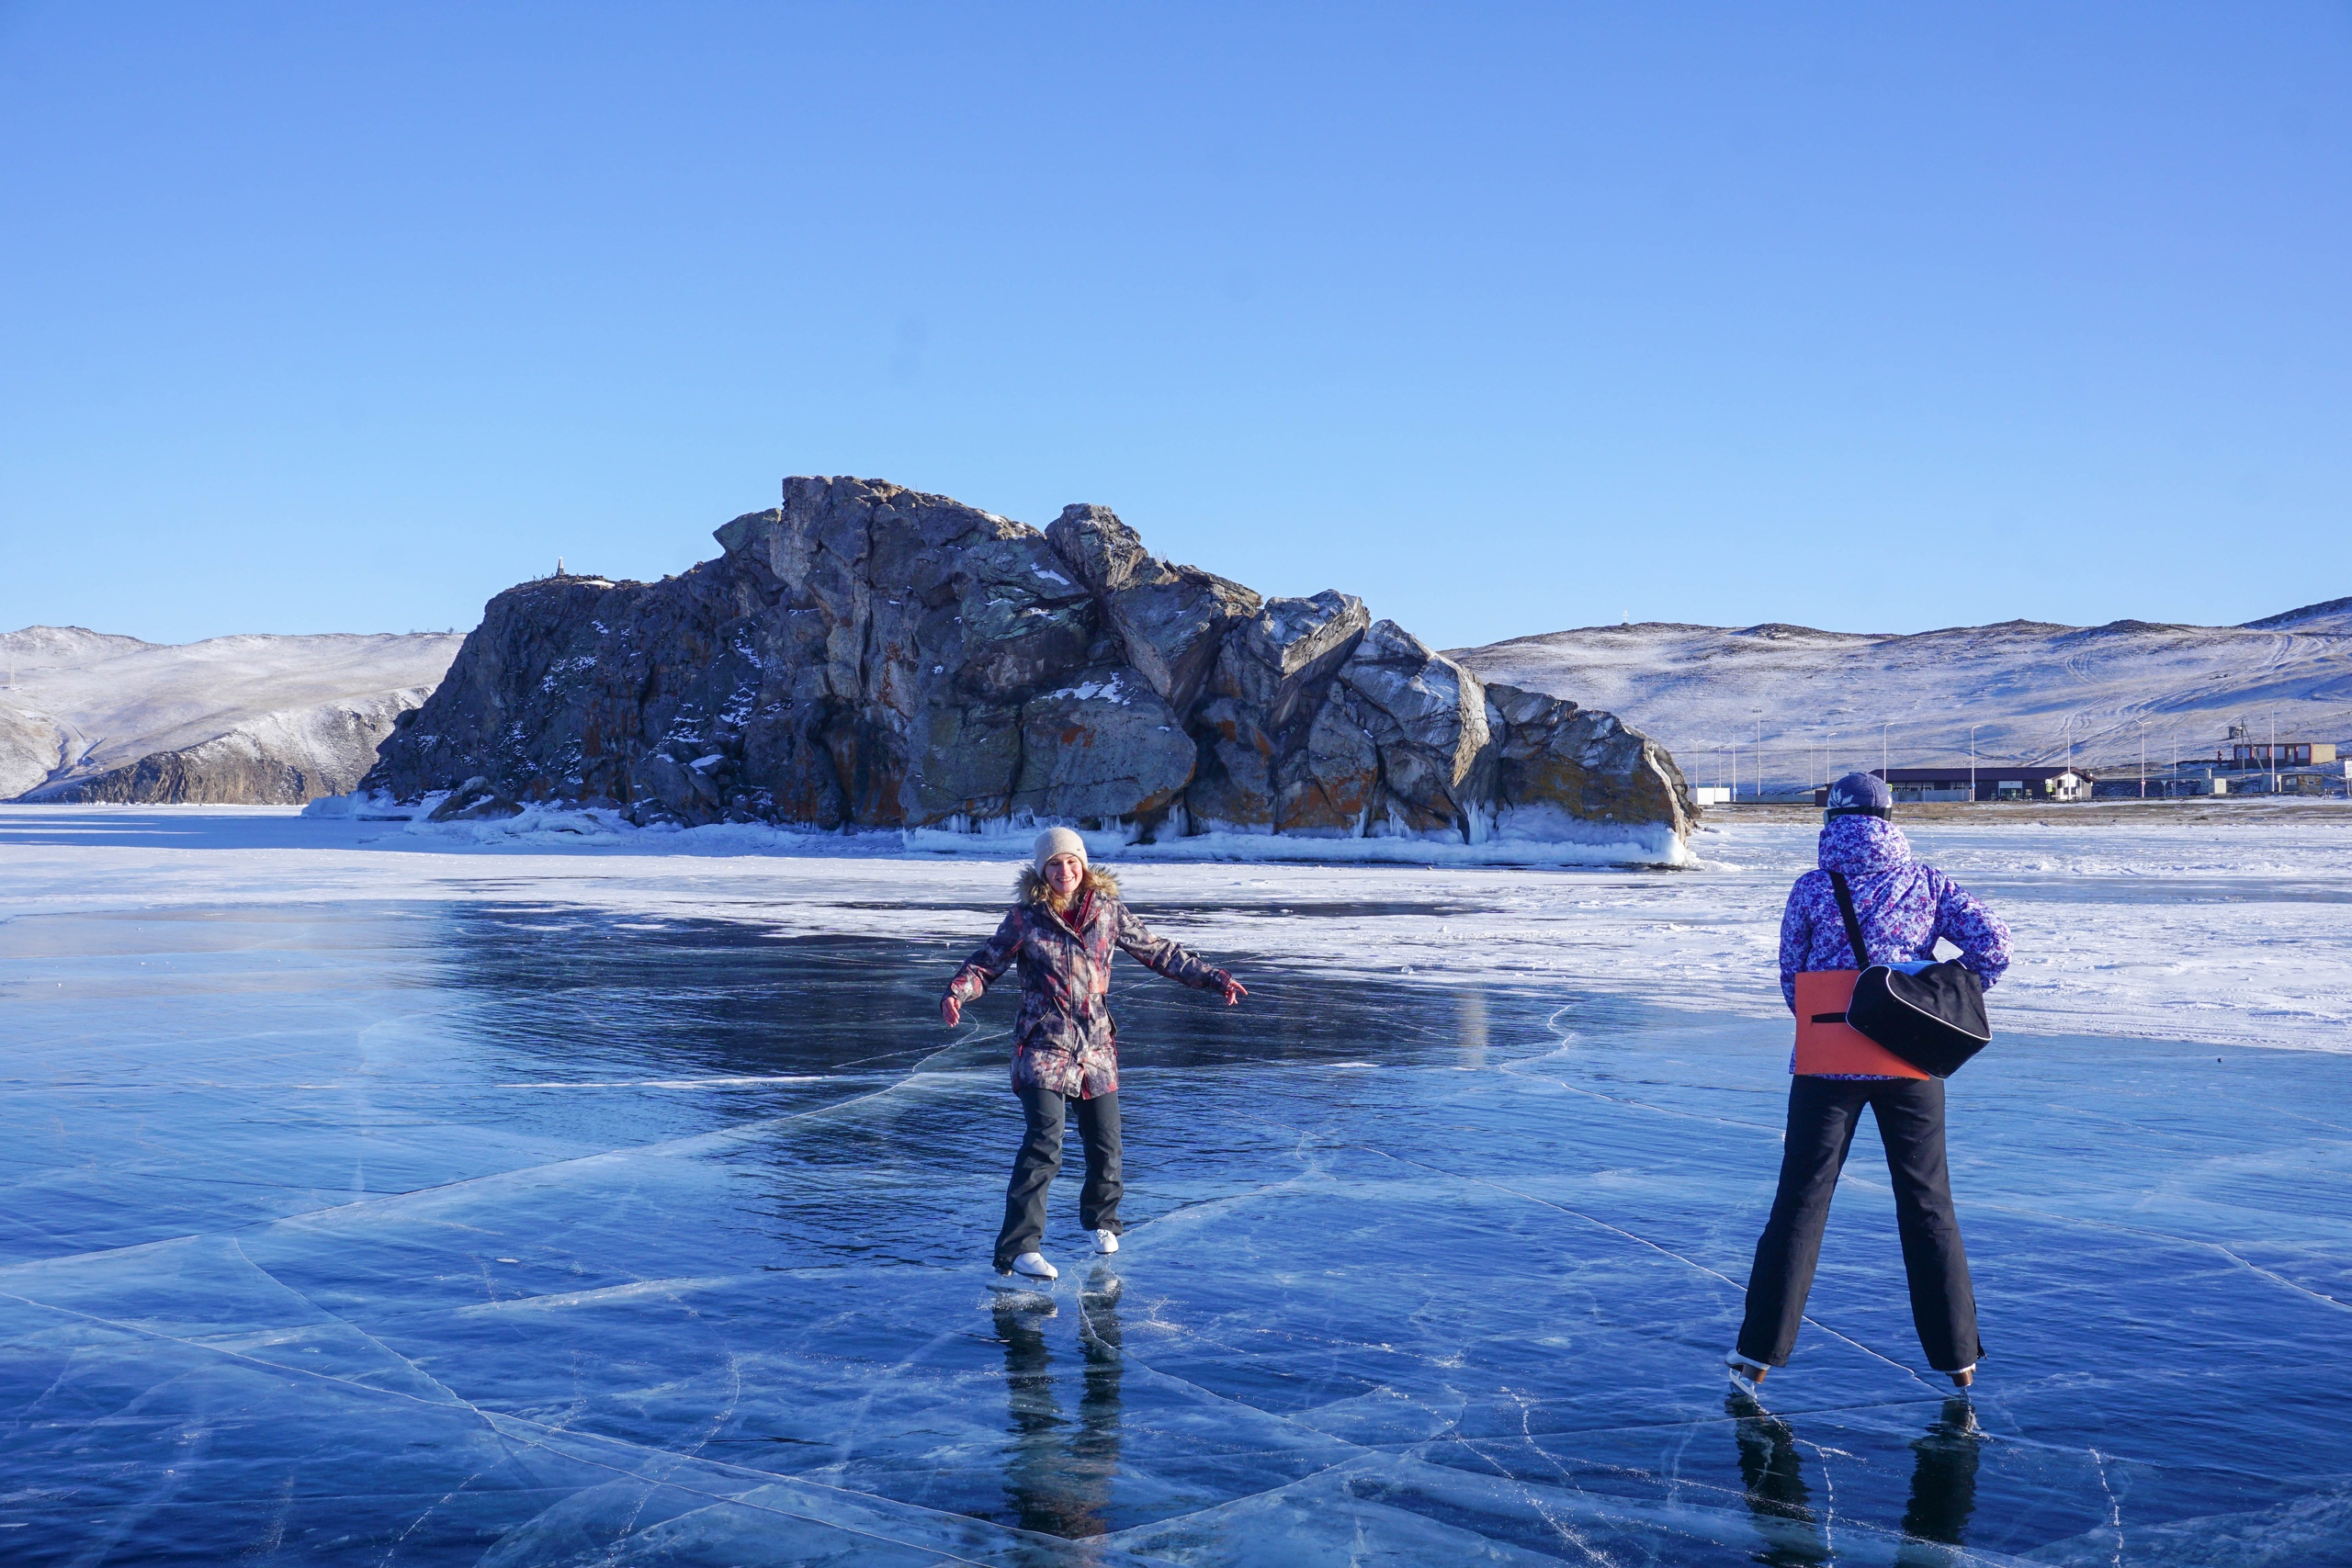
[1040, 1160]
[1823, 1114]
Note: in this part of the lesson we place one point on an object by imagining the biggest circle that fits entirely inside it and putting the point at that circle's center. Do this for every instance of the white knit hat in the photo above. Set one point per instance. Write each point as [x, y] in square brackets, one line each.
[1058, 841]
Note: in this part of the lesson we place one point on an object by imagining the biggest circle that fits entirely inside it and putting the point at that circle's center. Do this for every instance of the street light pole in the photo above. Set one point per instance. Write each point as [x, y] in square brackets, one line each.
[1882, 749]
[1760, 752]
[1972, 763]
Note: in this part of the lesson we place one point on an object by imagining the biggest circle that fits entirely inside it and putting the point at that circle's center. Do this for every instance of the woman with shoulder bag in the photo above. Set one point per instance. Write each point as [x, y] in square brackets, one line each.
[1900, 906]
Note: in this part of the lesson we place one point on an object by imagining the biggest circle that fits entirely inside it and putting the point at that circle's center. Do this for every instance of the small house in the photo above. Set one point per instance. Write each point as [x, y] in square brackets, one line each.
[2261, 756]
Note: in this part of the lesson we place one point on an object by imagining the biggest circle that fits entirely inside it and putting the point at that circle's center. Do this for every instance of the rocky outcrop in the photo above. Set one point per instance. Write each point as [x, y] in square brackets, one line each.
[870, 656]
[473, 801]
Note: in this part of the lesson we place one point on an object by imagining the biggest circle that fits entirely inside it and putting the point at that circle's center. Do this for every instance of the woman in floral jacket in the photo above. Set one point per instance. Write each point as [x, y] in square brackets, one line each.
[1065, 1047]
[1902, 907]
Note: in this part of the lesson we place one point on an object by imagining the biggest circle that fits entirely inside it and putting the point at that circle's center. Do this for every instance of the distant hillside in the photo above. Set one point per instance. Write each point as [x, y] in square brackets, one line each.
[2024, 685]
[87, 715]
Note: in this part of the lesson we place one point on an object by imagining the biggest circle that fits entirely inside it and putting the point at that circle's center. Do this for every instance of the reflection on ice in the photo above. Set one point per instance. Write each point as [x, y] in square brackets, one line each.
[1794, 1532]
[1943, 1476]
[1773, 1473]
[512, 1235]
[1059, 1467]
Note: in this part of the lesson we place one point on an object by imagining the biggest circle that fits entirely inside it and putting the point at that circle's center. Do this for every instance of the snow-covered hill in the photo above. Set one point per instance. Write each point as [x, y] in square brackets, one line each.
[87, 715]
[1820, 698]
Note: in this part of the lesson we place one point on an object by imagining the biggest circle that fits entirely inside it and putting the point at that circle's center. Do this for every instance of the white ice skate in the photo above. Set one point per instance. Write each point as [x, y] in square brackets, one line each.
[1106, 1242]
[1033, 1266]
[1747, 1377]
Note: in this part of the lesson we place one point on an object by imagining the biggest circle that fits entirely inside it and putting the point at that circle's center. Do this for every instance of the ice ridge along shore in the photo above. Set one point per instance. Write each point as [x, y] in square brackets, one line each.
[869, 656]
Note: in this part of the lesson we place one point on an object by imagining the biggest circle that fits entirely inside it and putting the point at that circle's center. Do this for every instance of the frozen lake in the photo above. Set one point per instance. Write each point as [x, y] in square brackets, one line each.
[377, 1197]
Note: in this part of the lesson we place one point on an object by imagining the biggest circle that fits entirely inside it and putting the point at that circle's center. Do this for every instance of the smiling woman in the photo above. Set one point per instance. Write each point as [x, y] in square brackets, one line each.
[1067, 926]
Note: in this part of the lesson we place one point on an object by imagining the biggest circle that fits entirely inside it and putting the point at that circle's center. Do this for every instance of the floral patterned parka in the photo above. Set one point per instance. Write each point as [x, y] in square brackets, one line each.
[1063, 1038]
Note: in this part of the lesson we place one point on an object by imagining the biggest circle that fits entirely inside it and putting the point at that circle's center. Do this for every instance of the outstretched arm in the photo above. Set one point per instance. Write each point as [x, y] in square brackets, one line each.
[1173, 959]
[1983, 940]
[994, 955]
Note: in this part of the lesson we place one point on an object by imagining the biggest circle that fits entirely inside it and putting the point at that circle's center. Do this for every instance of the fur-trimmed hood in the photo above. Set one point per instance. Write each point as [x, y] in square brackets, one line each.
[1030, 885]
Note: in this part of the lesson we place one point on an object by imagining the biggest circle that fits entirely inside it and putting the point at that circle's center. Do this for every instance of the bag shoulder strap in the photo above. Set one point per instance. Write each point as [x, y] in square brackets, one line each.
[1853, 926]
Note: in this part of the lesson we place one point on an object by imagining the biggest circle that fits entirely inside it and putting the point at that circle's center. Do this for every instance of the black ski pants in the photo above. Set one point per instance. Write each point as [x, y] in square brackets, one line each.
[1823, 1114]
[1040, 1160]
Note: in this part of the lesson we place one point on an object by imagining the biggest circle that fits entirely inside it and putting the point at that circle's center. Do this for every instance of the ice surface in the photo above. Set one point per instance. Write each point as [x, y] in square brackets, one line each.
[410, 1202]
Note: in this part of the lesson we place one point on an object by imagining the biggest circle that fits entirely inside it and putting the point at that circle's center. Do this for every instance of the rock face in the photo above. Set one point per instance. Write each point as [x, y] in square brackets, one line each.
[872, 656]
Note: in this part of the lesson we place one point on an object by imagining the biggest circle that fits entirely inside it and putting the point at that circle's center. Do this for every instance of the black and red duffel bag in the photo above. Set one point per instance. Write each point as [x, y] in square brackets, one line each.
[1931, 1015]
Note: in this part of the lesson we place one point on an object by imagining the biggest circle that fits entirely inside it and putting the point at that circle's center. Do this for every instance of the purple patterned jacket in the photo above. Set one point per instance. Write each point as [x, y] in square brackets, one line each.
[1063, 1038]
[1903, 905]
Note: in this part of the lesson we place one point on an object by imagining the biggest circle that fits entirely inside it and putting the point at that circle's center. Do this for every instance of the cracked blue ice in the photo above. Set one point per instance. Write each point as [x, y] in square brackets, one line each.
[523, 1235]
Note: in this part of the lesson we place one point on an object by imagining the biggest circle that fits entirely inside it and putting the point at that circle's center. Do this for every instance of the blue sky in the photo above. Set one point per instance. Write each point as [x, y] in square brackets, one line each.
[1508, 319]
